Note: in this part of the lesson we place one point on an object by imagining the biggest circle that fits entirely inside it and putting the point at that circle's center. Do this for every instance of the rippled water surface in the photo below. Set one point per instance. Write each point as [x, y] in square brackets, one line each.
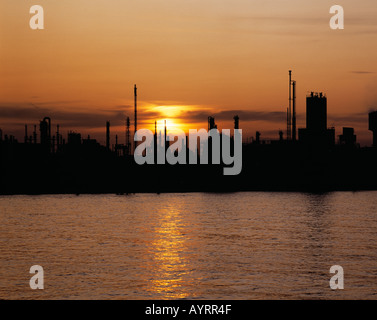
[193, 246]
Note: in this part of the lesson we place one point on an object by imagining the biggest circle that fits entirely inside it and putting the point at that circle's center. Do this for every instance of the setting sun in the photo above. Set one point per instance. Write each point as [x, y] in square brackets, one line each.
[173, 115]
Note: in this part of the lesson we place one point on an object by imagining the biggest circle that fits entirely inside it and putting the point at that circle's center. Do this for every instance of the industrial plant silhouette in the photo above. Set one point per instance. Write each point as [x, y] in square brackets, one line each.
[305, 159]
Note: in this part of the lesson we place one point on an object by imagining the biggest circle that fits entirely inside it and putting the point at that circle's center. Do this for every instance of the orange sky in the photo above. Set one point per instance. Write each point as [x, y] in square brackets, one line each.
[189, 58]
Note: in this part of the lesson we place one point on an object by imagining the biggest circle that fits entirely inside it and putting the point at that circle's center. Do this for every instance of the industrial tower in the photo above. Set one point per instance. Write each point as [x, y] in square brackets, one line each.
[291, 110]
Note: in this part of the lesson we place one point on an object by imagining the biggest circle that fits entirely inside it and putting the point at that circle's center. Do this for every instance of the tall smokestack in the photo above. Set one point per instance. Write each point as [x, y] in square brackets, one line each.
[294, 111]
[128, 143]
[108, 135]
[236, 122]
[155, 141]
[135, 121]
[289, 118]
[135, 97]
[165, 137]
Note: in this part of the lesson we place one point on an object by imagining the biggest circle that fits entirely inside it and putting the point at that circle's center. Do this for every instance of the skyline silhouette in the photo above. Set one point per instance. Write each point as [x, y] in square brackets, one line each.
[316, 161]
[316, 118]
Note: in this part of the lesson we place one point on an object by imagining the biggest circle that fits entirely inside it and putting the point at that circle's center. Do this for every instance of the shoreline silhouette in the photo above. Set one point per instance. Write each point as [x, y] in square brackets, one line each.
[308, 159]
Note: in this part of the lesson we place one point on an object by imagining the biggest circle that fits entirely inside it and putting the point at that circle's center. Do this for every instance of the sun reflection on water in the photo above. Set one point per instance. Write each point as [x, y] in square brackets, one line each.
[168, 254]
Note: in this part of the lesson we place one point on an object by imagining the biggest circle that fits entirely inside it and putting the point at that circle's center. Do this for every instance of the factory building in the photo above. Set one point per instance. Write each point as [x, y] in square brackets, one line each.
[45, 132]
[348, 138]
[316, 132]
[373, 126]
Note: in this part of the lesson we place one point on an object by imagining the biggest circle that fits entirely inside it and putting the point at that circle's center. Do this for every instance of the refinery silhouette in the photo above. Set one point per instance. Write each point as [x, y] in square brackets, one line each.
[304, 159]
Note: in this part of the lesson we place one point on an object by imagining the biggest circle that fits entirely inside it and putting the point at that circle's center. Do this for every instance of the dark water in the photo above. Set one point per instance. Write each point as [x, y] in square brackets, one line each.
[193, 246]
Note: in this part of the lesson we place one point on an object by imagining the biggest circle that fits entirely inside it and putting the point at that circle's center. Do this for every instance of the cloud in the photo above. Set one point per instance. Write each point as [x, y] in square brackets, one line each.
[301, 23]
[245, 115]
[84, 117]
[362, 72]
[358, 120]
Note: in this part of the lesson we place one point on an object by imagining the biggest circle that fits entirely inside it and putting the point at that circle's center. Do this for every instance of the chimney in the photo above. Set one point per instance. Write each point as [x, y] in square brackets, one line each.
[108, 135]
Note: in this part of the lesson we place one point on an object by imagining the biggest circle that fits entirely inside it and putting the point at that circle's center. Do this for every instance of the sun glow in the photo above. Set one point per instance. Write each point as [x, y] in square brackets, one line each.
[171, 125]
[173, 116]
